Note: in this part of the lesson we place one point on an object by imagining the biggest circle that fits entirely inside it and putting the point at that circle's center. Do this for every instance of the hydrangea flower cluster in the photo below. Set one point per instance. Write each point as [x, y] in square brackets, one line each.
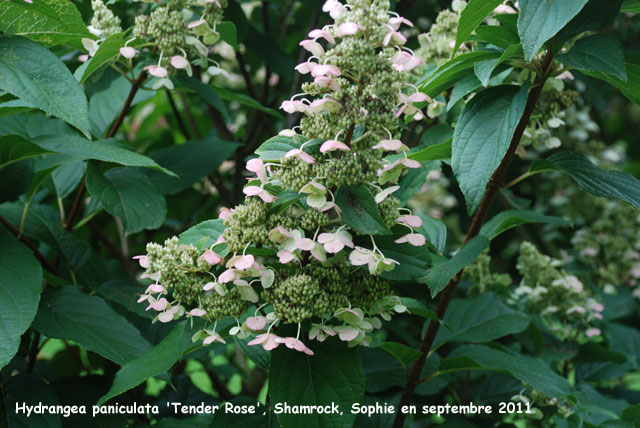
[286, 251]
[437, 44]
[181, 33]
[561, 300]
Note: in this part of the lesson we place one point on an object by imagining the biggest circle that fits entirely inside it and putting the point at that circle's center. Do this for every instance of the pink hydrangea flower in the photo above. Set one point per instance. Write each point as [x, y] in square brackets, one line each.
[306, 67]
[266, 340]
[259, 192]
[244, 262]
[314, 34]
[334, 8]
[410, 220]
[335, 242]
[326, 70]
[256, 323]
[143, 260]
[157, 71]
[212, 257]
[292, 106]
[156, 288]
[396, 21]
[179, 62]
[326, 82]
[159, 305]
[327, 104]
[390, 145]
[347, 333]
[592, 332]
[128, 52]
[225, 213]
[306, 157]
[331, 145]
[395, 38]
[312, 46]
[293, 343]
[347, 29]
[415, 239]
[212, 336]
[197, 312]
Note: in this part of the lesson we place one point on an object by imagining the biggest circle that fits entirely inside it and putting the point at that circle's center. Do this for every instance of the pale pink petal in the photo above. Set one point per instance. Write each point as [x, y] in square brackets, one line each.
[285, 256]
[256, 323]
[244, 262]
[143, 260]
[410, 220]
[212, 257]
[305, 244]
[197, 312]
[179, 62]
[209, 286]
[334, 246]
[227, 276]
[348, 29]
[252, 190]
[128, 52]
[331, 145]
[347, 334]
[157, 71]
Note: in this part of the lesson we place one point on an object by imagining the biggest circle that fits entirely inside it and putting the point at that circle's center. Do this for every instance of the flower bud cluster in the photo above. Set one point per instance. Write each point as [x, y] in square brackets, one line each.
[181, 33]
[286, 249]
[104, 23]
[562, 301]
[437, 44]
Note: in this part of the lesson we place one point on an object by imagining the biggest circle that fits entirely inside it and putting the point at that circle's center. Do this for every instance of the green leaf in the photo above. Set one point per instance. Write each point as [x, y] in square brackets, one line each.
[484, 69]
[594, 16]
[630, 88]
[15, 179]
[128, 194]
[632, 413]
[597, 53]
[228, 32]
[246, 100]
[192, 161]
[630, 6]
[512, 218]
[30, 390]
[257, 354]
[593, 180]
[531, 371]
[625, 340]
[470, 83]
[274, 149]
[472, 15]
[435, 231]
[68, 313]
[207, 232]
[452, 71]
[155, 362]
[540, 20]
[14, 149]
[415, 307]
[38, 77]
[14, 107]
[333, 375]
[433, 152]
[414, 261]
[500, 36]
[205, 91]
[109, 49]
[440, 274]
[482, 137]
[79, 148]
[360, 211]
[48, 22]
[20, 286]
[479, 319]
[37, 226]
[404, 354]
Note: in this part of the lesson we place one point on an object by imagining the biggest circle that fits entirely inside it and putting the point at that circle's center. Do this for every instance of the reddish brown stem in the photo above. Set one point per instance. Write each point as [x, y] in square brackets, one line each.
[478, 219]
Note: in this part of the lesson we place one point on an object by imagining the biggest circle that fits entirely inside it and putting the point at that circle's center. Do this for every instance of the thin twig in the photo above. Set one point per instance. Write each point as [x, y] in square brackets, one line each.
[478, 219]
[187, 112]
[77, 202]
[41, 258]
[176, 114]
